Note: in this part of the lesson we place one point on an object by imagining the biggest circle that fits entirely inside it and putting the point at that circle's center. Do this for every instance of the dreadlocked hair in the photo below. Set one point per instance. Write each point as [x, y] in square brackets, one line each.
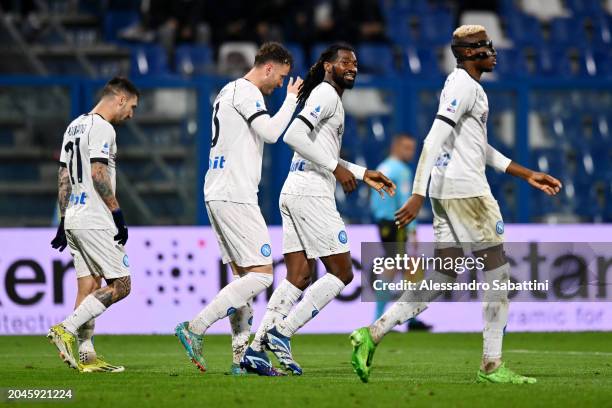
[316, 73]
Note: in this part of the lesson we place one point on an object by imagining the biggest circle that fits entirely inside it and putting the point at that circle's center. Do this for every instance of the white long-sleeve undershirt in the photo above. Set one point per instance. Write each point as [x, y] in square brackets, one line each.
[269, 128]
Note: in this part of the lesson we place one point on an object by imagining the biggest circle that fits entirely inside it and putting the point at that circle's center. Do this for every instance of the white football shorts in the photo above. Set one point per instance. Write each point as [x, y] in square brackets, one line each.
[475, 222]
[96, 253]
[313, 225]
[241, 233]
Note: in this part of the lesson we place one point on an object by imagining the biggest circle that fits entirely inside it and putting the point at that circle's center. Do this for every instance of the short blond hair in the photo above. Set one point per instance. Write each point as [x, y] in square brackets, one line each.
[468, 30]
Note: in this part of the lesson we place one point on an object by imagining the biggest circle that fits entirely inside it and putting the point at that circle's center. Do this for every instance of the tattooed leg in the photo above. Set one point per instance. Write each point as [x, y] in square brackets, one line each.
[116, 290]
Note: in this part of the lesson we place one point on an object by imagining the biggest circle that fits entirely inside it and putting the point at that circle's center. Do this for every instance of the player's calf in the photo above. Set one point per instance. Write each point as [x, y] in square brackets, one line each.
[116, 290]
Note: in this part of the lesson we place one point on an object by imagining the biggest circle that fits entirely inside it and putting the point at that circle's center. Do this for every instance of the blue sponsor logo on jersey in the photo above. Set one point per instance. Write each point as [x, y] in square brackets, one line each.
[266, 250]
[316, 112]
[342, 237]
[78, 199]
[258, 106]
[126, 261]
[452, 108]
[499, 227]
[231, 311]
[105, 148]
[217, 162]
[297, 165]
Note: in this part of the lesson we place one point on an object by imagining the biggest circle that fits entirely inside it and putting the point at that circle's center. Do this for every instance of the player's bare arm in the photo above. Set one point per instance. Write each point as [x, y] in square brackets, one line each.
[346, 179]
[103, 186]
[64, 189]
[409, 211]
[541, 181]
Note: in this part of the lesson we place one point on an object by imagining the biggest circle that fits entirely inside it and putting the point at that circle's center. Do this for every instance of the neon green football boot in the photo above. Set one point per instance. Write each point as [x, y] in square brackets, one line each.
[503, 375]
[64, 341]
[363, 352]
[99, 365]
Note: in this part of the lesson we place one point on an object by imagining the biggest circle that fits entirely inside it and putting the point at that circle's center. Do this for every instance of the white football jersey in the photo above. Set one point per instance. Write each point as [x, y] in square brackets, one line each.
[324, 115]
[459, 170]
[234, 165]
[88, 138]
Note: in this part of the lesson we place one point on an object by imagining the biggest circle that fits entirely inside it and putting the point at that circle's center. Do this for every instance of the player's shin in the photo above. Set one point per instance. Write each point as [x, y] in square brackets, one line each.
[279, 305]
[409, 305]
[323, 291]
[495, 315]
[240, 323]
[232, 297]
[89, 308]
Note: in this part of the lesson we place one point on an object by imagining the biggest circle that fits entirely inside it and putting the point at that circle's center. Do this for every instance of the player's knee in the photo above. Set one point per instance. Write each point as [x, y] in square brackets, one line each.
[346, 275]
[300, 281]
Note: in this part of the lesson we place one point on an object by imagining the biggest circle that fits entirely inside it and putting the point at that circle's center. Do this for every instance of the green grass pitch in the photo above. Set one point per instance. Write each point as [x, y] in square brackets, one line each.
[413, 369]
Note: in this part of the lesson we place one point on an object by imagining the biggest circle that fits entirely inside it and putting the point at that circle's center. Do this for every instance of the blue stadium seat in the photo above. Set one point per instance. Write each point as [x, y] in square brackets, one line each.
[552, 61]
[602, 60]
[405, 7]
[376, 59]
[399, 29]
[436, 29]
[316, 50]
[602, 34]
[299, 60]
[585, 7]
[194, 59]
[148, 60]
[568, 31]
[524, 30]
[511, 63]
[421, 62]
[114, 21]
[548, 160]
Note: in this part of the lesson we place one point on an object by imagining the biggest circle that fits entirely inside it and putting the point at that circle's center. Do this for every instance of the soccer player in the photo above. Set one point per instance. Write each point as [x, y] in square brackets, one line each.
[396, 167]
[312, 226]
[457, 150]
[92, 224]
[240, 127]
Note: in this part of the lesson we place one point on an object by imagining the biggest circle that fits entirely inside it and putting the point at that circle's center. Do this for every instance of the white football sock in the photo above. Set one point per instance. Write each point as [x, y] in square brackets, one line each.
[281, 302]
[323, 291]
[410, 304]
[85, 333]
[89, 308]
[495, 313]
[232, 297]
[241, 322]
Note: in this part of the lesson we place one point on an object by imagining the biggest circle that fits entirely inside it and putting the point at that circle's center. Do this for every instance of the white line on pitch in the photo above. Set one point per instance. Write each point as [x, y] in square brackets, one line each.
[576, 353]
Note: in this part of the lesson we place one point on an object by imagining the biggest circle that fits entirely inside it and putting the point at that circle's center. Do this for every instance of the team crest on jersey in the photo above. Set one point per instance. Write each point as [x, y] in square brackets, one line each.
[452, 107]
[258, 106]
[499, 227]
[316, 112]
[342, 237]
[105, 148]
[266, 250]
[483, 117]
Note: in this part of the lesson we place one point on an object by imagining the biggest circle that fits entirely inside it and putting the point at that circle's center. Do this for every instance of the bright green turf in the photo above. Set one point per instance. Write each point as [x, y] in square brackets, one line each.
[414, 369]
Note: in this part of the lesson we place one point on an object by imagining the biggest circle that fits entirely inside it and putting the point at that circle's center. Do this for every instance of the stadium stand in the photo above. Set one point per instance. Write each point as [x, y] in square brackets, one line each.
[550, 97]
